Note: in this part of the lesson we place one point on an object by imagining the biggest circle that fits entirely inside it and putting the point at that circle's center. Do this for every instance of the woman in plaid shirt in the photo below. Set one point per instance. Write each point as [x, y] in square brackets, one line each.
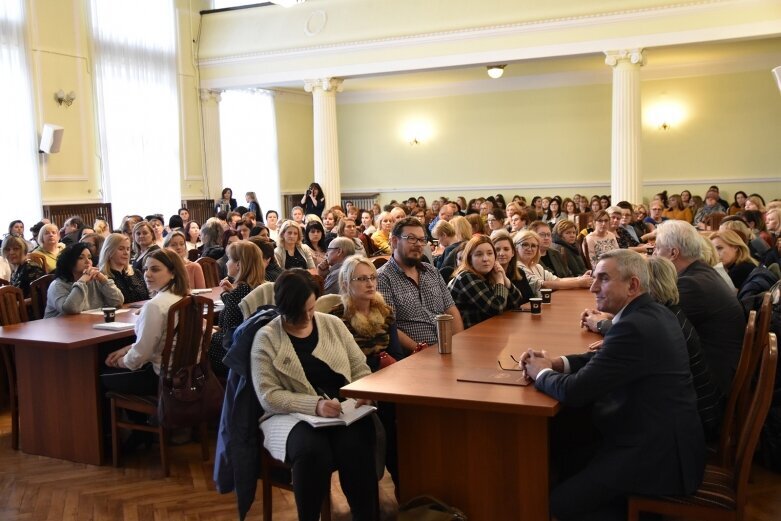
[480, 287]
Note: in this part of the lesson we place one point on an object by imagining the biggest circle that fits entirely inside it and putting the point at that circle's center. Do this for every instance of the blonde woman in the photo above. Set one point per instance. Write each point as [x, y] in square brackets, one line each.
[291, 252]
[49, 246]
[709, 256]
[464, 231]
[115, 264]
[381, 238]
[101, 227]
[734, 255]
[245, 266]
[143, 243]
[527, 246]
[176, 242]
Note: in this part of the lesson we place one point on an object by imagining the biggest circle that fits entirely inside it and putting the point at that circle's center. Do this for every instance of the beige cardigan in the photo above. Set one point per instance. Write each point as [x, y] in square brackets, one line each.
[279, 378]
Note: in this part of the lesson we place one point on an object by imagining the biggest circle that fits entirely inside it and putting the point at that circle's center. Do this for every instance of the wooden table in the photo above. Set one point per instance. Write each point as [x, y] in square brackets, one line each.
[57, 361]
[480, 447]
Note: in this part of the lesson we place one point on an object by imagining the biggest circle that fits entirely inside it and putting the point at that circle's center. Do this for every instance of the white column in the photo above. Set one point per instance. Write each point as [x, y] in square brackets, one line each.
[625, 177]
[326, 139]
[212, 146]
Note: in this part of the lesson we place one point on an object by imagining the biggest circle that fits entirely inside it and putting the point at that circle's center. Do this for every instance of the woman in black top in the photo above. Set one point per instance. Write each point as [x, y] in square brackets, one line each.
[565, 241]
[314, 200]
[227, 203]
[23, 272]
[734, 255]
[143, 243]
[115, 264]
[506, 257]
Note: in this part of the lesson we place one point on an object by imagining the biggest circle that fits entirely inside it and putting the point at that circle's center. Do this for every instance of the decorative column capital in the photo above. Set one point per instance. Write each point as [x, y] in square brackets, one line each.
[324, 84]
[630, 56]
[208, 94]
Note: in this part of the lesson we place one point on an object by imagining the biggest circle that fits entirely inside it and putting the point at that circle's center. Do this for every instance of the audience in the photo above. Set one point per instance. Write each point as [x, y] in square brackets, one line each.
[340, 249]
[115, 264]
[527, 246]
[49, 246]
[565, 243]
[734, 256]
[22, 269]
[143, 243]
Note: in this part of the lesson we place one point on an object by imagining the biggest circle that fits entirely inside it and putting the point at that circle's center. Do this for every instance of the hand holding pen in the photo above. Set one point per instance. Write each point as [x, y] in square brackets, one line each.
[328, 407]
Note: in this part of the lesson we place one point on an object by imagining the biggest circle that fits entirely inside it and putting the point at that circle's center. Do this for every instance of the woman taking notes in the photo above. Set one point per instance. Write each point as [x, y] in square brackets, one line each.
[298, 360]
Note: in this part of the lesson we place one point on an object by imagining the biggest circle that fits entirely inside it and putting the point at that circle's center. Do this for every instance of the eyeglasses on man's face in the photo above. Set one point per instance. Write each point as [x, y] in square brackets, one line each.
[412, 239]
[365, 278]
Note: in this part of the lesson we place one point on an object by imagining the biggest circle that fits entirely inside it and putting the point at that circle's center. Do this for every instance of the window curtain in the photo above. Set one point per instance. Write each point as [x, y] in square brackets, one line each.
[20, 197]
[138, 105]
[248, 136]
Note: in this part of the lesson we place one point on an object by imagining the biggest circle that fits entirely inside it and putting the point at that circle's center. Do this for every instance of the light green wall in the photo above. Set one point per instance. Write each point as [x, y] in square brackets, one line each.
[559, 138]
[294, 141]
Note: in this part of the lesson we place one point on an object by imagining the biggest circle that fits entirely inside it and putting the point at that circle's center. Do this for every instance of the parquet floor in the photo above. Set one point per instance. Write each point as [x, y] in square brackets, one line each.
[36, 488]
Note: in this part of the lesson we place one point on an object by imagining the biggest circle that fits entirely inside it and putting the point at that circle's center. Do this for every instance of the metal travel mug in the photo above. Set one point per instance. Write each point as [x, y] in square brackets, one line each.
[444, 334]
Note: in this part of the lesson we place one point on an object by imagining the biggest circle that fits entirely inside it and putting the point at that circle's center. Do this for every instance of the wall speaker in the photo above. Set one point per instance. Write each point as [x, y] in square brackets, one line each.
[51, 138]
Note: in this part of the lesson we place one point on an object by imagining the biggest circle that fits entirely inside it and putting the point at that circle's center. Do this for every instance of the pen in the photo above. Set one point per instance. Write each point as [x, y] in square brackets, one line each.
[325, 396]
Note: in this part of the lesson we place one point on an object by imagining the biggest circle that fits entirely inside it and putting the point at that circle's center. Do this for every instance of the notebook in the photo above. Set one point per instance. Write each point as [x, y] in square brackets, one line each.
[349, 415]
[114, 326]
[199, 291]
[495, 376]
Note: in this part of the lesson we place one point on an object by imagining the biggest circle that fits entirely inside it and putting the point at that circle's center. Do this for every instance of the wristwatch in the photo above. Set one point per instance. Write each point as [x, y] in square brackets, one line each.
[420, 347]
[601, 325]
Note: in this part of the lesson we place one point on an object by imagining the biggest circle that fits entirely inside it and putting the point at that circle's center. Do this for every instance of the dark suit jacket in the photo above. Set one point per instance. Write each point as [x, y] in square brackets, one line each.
[644, 404]
[717, 315]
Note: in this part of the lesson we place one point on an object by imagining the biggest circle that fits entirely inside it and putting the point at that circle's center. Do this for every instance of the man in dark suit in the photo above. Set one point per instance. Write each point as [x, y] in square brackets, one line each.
[643, 402]
[709, 304]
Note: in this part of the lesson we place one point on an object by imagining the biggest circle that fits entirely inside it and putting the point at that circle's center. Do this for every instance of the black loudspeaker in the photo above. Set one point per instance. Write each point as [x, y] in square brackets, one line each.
[51, 138]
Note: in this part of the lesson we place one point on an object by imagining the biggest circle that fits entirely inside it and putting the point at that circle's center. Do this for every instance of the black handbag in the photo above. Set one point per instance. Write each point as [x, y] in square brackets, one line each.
[189, 396]
[427, 508]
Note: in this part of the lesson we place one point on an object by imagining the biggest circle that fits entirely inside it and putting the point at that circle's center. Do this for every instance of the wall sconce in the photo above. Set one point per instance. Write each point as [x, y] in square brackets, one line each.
[496, 71]
[417, 132]
[665, 114]
[64, 99]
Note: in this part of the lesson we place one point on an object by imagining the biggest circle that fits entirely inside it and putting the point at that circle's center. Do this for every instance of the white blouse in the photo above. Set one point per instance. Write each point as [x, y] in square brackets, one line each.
[151, 327]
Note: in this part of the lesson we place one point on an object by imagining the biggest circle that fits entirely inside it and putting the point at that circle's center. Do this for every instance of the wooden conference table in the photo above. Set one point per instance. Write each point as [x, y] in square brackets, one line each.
[480, 447]
[57, 361]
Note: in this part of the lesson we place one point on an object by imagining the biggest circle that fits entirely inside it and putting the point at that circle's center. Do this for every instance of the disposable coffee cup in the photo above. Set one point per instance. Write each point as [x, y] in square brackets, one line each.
[109, 314]
[649, 250]
[546, 295]
[444, 334]
[536, 304]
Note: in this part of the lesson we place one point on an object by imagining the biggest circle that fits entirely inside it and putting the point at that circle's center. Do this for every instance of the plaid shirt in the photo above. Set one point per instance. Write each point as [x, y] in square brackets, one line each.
[415, 305]
[478, 299]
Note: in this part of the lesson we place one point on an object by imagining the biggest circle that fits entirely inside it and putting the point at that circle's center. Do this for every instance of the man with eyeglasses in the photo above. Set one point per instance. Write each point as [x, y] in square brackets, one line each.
[338, 250]
[549, 257]
[414, 289]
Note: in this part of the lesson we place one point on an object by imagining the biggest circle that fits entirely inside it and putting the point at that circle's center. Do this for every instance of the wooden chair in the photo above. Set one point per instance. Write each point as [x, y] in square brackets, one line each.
[327, 302]
[12, 311]
[584, 251]
[38, 290]
[4, 282]
[189, 328]
[733, 415]
[380, 261]
[723, 493]
[211, 272]
[275, 473]
[320, 281]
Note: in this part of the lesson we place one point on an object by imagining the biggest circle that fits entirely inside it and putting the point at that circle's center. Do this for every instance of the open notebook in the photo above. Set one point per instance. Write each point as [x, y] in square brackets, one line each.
[349, 415]
[114, 326]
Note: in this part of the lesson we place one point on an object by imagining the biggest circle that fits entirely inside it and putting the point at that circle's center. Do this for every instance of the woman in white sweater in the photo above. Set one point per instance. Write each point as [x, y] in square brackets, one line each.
[299, 361]
[166, 278]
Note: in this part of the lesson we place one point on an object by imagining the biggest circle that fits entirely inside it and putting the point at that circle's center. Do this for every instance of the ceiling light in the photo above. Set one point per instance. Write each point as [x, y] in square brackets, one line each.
[496, 71]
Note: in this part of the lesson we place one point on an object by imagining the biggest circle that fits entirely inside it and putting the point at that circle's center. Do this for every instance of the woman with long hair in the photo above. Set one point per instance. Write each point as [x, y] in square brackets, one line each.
[79, 285]
[381, 238]
[570, 209]
[480, 287]
[289, 379]
[226, 203]
[314, 238]
[527, 246]
[290, 252]
[192, 234]
[166, 280]
[313, 200]
[143, 243]
[346, 228]
[738, 204]
[246, 268]
[115, 264]
[508, 260]
[554, 212]
[175, 241]
[676, 209]
[253, 205]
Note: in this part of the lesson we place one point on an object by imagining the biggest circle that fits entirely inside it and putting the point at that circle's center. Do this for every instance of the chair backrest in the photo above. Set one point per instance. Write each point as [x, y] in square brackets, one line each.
[584, 250]
[38, 290]
[760, 405]
[12, 307]
[327, 302]
[740, 384]
[713, 220]
[211, 272]
[263, 295]
[760, 338]
[4, 282]
[320, 281]
[188, 333]
[380, 261]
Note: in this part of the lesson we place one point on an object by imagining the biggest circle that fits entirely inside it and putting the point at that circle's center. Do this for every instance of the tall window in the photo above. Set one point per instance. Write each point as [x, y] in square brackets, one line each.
[248, 133]
[20, 197]
[138, 105]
